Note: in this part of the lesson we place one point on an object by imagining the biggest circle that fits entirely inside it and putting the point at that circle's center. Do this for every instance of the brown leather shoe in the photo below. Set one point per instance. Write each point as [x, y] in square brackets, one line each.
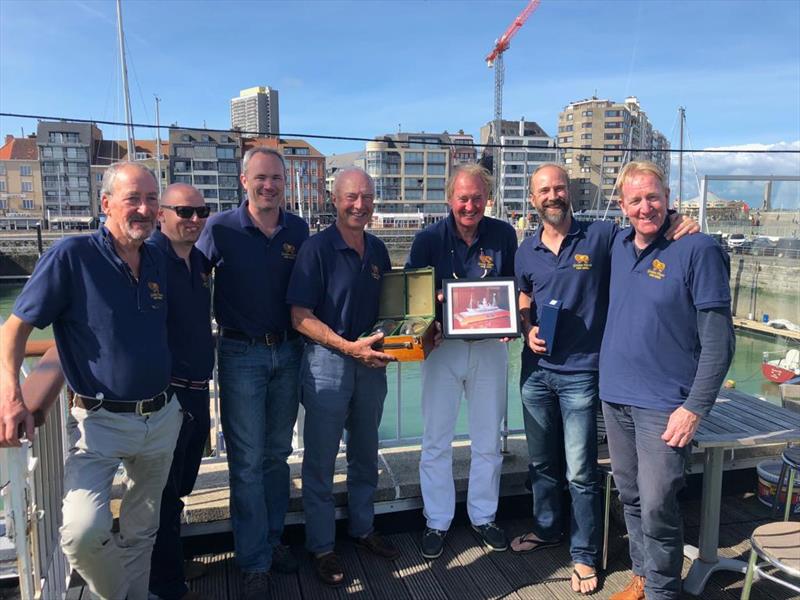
[379, 546]
[634, 591]
[329, 570]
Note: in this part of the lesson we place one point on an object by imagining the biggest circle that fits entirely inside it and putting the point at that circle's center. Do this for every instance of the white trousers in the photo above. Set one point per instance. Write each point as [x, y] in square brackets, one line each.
[478, 371]
[116, 567]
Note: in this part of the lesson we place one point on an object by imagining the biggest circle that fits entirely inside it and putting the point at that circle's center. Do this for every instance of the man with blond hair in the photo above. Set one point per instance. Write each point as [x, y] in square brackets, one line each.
[667, 345]
[465, 244]
[106, 297]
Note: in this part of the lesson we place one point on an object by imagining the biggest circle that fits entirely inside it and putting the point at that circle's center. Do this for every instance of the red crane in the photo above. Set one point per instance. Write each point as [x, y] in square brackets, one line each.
[495, 59]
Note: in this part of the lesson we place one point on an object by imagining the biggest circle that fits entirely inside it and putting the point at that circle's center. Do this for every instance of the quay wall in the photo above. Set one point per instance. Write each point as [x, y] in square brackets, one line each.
[766, 285]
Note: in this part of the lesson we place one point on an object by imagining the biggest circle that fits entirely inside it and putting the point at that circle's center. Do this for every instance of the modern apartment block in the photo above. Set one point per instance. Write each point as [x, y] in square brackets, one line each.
[305, 176]
[410, 171]
[594, 133]
[65, 154]
[146, 153]
[21, 205]
[210, 161]
[463, 148]
[255, 111]
[525, 146]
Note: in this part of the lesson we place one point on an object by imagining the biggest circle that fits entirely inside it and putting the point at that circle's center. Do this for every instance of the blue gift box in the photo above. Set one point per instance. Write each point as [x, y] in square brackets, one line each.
[548, 323]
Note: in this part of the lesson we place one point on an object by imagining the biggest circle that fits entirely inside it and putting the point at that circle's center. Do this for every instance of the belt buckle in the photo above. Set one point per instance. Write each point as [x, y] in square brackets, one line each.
[270, 339]
[140, 411]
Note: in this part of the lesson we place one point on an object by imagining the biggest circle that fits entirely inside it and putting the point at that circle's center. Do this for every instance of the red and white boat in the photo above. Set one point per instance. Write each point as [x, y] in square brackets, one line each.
[783, 367]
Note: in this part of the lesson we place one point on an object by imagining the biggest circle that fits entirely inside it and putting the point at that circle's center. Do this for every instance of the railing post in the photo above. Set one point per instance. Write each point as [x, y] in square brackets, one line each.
[398, 425]
[17, 494]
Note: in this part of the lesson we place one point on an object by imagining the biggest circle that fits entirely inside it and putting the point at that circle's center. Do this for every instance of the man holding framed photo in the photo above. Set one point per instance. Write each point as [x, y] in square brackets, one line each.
[465, 245]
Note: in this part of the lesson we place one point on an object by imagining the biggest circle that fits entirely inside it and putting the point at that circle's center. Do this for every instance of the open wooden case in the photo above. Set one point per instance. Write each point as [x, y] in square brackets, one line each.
[406, 314]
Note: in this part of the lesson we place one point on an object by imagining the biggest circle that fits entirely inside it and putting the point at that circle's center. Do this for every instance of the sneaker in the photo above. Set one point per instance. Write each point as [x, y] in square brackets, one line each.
[283, 561]
[492, 536]
[379, 546]
[433, 542]
[256, 585]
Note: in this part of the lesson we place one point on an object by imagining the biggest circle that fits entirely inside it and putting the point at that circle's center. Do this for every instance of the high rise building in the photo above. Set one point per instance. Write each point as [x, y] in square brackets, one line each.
[21, 204]
[65, 154]
[525, 146]
[595, 132]
[209, 161]
[410, 171]
[255, 111]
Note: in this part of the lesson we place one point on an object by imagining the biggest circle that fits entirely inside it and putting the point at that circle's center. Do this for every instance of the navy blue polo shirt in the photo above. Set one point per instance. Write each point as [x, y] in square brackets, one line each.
[578, 276]
[650, 348]
[251, 270]
[491, 253]
[189, 316]
[342, 289]
[109, 327]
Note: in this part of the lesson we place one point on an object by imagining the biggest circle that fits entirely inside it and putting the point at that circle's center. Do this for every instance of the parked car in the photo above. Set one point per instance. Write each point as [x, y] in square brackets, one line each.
[736, 240]
[788, 247]
[761, 246]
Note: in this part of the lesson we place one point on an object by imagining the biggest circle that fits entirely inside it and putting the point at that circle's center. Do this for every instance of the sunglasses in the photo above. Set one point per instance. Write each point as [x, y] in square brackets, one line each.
[186, 212]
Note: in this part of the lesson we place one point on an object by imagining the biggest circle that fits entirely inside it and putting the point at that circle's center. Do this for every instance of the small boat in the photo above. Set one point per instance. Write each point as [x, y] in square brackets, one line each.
[782, 368]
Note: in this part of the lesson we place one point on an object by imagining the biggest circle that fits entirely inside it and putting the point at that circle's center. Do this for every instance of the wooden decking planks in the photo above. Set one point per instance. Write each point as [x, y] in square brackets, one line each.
[469, 571]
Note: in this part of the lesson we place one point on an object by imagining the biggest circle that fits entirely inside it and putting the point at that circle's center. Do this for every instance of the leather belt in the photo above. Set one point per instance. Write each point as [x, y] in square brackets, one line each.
[269, 339]
[140, 407]
[188, 384]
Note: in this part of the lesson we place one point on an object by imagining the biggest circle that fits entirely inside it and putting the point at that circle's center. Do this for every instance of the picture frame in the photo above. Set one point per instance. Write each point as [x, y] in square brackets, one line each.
[480, 308]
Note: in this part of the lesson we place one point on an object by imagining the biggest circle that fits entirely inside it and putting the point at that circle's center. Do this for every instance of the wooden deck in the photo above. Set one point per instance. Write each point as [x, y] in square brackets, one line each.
[760, 327]
[467, 571]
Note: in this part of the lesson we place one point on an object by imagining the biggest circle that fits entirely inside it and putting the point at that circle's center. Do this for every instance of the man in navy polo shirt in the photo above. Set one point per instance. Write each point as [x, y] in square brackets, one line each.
[105, 295]
[253, 249]
[334, 293]
[182, 215]
[465, 244]
[667, 345]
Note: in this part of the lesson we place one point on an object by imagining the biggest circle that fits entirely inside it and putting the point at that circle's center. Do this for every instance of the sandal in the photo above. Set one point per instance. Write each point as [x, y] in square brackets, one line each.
[329, 570]
[533, 541]
[582, 578]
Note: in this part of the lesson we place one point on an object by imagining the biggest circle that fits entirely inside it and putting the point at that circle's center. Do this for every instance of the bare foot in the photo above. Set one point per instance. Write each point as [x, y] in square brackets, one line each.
[584, 579]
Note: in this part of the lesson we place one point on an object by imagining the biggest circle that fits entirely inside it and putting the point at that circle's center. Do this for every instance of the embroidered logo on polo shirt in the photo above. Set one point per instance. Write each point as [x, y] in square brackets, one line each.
[485, 261]
[657, 270]
[376, 272]
[289, 251]
[155, 291]
[582, 262]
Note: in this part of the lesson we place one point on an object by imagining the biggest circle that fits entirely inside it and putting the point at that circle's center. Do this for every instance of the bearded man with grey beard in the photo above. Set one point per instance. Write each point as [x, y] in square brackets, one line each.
[569, 261]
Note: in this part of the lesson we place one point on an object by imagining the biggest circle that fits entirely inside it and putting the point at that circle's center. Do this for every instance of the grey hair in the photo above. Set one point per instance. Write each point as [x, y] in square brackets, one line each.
[262, 150]
[470, 170]
[347, 171]
[110, 175]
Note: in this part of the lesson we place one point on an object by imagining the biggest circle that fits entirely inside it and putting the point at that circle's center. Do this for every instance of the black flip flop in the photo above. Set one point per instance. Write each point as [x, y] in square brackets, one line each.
[538, 544]
[586, 578]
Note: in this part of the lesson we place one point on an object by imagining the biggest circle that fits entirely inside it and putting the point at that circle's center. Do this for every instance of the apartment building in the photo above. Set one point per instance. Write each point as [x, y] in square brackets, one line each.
[594, 134]
[209, 161]
[410, 171]
[108, 152]
[305, 177]
[463, 148]
[65, 154]
[255, 111]
[21, 199]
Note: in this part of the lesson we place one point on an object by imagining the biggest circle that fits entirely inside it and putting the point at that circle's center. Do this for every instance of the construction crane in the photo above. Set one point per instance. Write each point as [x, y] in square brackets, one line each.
[495, 59]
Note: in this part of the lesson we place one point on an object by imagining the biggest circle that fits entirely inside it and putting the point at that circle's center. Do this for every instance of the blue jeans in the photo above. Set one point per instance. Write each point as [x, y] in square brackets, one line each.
[258, 396]
[339, 394]
[554, 402]
[649, 474]
[166, 562]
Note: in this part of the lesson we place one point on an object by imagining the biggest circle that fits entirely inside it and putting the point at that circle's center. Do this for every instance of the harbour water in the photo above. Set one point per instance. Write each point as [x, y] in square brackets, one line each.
[745, 371]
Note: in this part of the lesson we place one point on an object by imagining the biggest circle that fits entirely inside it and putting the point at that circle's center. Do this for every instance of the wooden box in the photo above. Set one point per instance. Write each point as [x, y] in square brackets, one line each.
[406, 314]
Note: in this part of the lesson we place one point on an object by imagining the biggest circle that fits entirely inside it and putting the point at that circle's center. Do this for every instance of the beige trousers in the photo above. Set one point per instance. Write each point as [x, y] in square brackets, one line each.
[116, 566]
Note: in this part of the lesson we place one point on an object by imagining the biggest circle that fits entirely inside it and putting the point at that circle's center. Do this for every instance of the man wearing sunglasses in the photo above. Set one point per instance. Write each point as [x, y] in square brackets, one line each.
[253, 250]
[183, 215]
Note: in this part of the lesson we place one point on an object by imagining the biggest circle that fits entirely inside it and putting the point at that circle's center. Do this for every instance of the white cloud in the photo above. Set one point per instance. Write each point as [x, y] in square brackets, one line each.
[696, 165]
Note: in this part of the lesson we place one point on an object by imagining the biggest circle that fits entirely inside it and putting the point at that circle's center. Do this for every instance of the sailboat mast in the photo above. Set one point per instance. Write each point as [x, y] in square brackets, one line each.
[125, 92]
[158, 143]
[682, 115]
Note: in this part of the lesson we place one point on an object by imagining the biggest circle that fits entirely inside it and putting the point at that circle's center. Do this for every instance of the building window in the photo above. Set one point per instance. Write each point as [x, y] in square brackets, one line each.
[225, 153]
[27, 186]
[27, 204]
[613, 113]
[569, 116]
[585, 192]
[2, 186]
[586, 113]
[2, 204]
[25, 170]
[586, 136]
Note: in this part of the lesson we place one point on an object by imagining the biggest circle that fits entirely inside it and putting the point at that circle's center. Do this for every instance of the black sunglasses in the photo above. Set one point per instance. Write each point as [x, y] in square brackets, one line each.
[186, 212]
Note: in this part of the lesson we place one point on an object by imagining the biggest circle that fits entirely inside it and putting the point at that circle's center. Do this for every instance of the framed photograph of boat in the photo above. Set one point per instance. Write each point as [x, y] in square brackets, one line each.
[480, 308]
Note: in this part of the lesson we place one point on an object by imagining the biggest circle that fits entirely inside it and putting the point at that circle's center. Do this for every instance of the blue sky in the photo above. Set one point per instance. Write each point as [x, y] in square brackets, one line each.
[367, 68]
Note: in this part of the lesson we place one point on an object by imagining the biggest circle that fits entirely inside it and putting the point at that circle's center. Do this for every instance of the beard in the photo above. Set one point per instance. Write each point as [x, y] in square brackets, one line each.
[548, 215]
[141, 232]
